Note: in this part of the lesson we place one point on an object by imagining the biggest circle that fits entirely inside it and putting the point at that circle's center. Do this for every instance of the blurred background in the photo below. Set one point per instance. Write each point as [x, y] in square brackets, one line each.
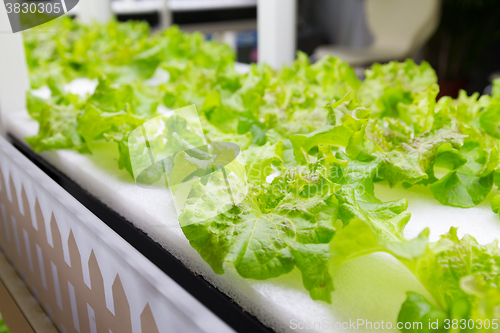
[460, 38]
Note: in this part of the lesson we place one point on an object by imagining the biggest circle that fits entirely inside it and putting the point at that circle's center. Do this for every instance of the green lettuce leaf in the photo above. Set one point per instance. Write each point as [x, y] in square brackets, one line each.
[58, 123]
[467, 275]
[388, 86]
[418, 313]
[464, 187]
[346, 117]
[263, 238]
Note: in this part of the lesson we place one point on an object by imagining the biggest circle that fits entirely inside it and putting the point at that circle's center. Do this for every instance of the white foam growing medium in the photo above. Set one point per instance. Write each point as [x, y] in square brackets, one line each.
[370, 288]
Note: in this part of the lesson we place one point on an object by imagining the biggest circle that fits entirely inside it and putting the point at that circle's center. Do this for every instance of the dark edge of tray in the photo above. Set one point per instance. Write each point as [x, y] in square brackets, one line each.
[216, 301]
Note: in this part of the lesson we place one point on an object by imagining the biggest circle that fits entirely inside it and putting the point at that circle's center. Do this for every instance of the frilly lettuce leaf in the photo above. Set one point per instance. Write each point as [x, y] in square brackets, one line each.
[404, 159]
[143, 100]
[65, 49]
[93, 123]
[464, 187]
[388, 86]
[418, 311]
[346, 117]
[57, 118]
[462, 276]
[263, 162]
[263, 238]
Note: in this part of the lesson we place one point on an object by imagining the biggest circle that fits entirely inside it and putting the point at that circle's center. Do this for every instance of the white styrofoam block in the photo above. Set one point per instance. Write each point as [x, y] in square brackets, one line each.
[427, 212]
[370, 288]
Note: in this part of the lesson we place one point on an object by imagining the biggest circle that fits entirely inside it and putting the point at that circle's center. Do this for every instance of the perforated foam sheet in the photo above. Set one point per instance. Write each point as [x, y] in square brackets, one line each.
[370, 288]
